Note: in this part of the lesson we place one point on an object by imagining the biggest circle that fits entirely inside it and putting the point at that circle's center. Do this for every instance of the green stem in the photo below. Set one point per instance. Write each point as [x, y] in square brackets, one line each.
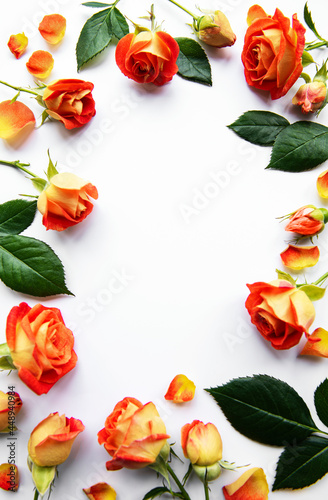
[321, 280]
[314, 45]
[183, 8]
[36, 495]
[152, 17]
[20, 89]
[19, 165]
[206, 490]
[178, 482]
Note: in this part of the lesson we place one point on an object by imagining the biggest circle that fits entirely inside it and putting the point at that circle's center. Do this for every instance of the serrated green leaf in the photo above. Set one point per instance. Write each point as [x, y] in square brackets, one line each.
[302, 464]
[309, 21]
[299, 147]
[312, 291]
[307, 59]
[16, 216]
[156, 492]
[96, 4]
[94, 37]
[264, 409]
[259, 127]
[192, 62]
[118, 24]
[321, 401]
[30, 266]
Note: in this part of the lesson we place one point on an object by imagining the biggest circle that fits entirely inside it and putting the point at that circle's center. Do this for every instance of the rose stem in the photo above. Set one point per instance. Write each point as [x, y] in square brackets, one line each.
[183, 8]
[20, 89]
[36, 495]
[176, 479]
[19, 165]
[321, 280]
[206, 490]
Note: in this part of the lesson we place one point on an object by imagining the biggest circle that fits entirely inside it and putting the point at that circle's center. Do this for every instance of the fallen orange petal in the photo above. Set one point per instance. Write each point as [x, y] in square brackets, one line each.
[300, 257]
[17, 44]
[52, 28]
[250, 485]
[322, 184]
[40, 64]
[180, 390]
[317, 344]
[100, 491]
[9, 477]
[14, 117]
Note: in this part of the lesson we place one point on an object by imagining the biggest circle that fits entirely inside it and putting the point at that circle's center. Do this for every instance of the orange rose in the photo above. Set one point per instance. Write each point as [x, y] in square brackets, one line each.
[148, 57]
[51, 440]
[70, 101]
[134, 435]
[272, 53]
[307, 221]
[40, 344]
[65, 202]
[280, 312]
[10, 405]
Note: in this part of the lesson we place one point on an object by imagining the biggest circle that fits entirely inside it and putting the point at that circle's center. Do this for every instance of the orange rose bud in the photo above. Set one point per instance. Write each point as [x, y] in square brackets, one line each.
[52, 28]
[214, 29]
[272, 53]
[180, 390]
[307, 221]
[65, 201]
[10, 402]
[250, 485]
[40, 344]
[310, 96]
[322, 184]
[134, 435]
[148, 57]
[9, 477]
[100, 491]
[201, 443]
[298, 258]
[18, 44]
[40, 64]
[51, 440]
[317, 344]
[14, 118]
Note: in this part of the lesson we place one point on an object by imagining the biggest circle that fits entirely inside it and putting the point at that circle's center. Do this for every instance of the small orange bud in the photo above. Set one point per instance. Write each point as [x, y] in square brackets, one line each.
[17, 44]
[310, 96]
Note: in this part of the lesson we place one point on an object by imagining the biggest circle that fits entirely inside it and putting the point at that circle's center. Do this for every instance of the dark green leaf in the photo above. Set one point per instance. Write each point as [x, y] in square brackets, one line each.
[156, 492]
[299, 147]
[259, 127]
[309, 21]
[97, 4]
[264, 409]
[118, 25]
[30, 266]
[16, 216]
[192, 62]
[321, 401]
[302, 465]
[94, 37]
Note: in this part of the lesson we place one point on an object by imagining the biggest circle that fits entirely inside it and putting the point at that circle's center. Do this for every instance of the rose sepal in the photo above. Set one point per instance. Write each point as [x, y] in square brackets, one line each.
[312, 291]
[160, 464]
[208, 473]
[43, 477]
[6, 361]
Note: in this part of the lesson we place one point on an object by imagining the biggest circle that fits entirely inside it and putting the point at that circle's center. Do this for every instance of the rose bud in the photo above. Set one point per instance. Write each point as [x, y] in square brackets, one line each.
[307, 221]
[15, 118]
[40, 64]
[18, 44]
[214, 29]
[134, 435]
[252, 484]
[310, 96]
[52, 28]
[9, 402]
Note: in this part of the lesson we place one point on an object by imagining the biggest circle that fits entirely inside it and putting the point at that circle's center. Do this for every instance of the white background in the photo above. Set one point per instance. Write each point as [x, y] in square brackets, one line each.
[152, 152]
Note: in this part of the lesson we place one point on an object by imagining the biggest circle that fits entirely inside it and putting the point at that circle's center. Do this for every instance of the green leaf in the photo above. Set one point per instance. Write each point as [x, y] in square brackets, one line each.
[321, 401]
[156, 492]
[6, 363]
[96, 4]
[259, 127]
[118, 25]
[306, 77]
[312, 291]
[307, 59]
[94, 37]
[264, 409]
[302, 465]
[30, 266]
[309, 21]
[52, 170]
[16, 216]
[39, 183]
[299, 147]
[281, 275]
[192, 62]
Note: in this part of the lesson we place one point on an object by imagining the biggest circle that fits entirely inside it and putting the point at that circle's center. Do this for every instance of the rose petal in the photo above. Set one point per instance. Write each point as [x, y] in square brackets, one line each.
[17, 44]
[40, 64]
[317, 344]
[14, 117]
[100, 491]
[322, 184]
[300, 257]
[52, 28]
[181, 389]
[250, 485]
[255, 12]
[9, 477]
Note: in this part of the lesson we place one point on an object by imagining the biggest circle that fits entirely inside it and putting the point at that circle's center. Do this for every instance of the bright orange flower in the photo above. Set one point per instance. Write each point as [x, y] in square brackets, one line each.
[180, 390]
[307, 221]
[17, 44]
[9, 477]
[298, 258]
[14, 118]
[100, 491]
[272, 53]
[252, 485]
[317, 344]
[10, 406]
[310, 96]
[322, 184]
[40, 64]
[52, 28]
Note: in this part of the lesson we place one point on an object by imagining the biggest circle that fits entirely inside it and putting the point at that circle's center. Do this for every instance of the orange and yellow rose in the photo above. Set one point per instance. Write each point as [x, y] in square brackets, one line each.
[40, 345]
[65, 201]
[148, 57]
[272, 53]
[280, 312]
[10, 406]
[51, 440]
[307, 221]
[134, 435]
[70, 101]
